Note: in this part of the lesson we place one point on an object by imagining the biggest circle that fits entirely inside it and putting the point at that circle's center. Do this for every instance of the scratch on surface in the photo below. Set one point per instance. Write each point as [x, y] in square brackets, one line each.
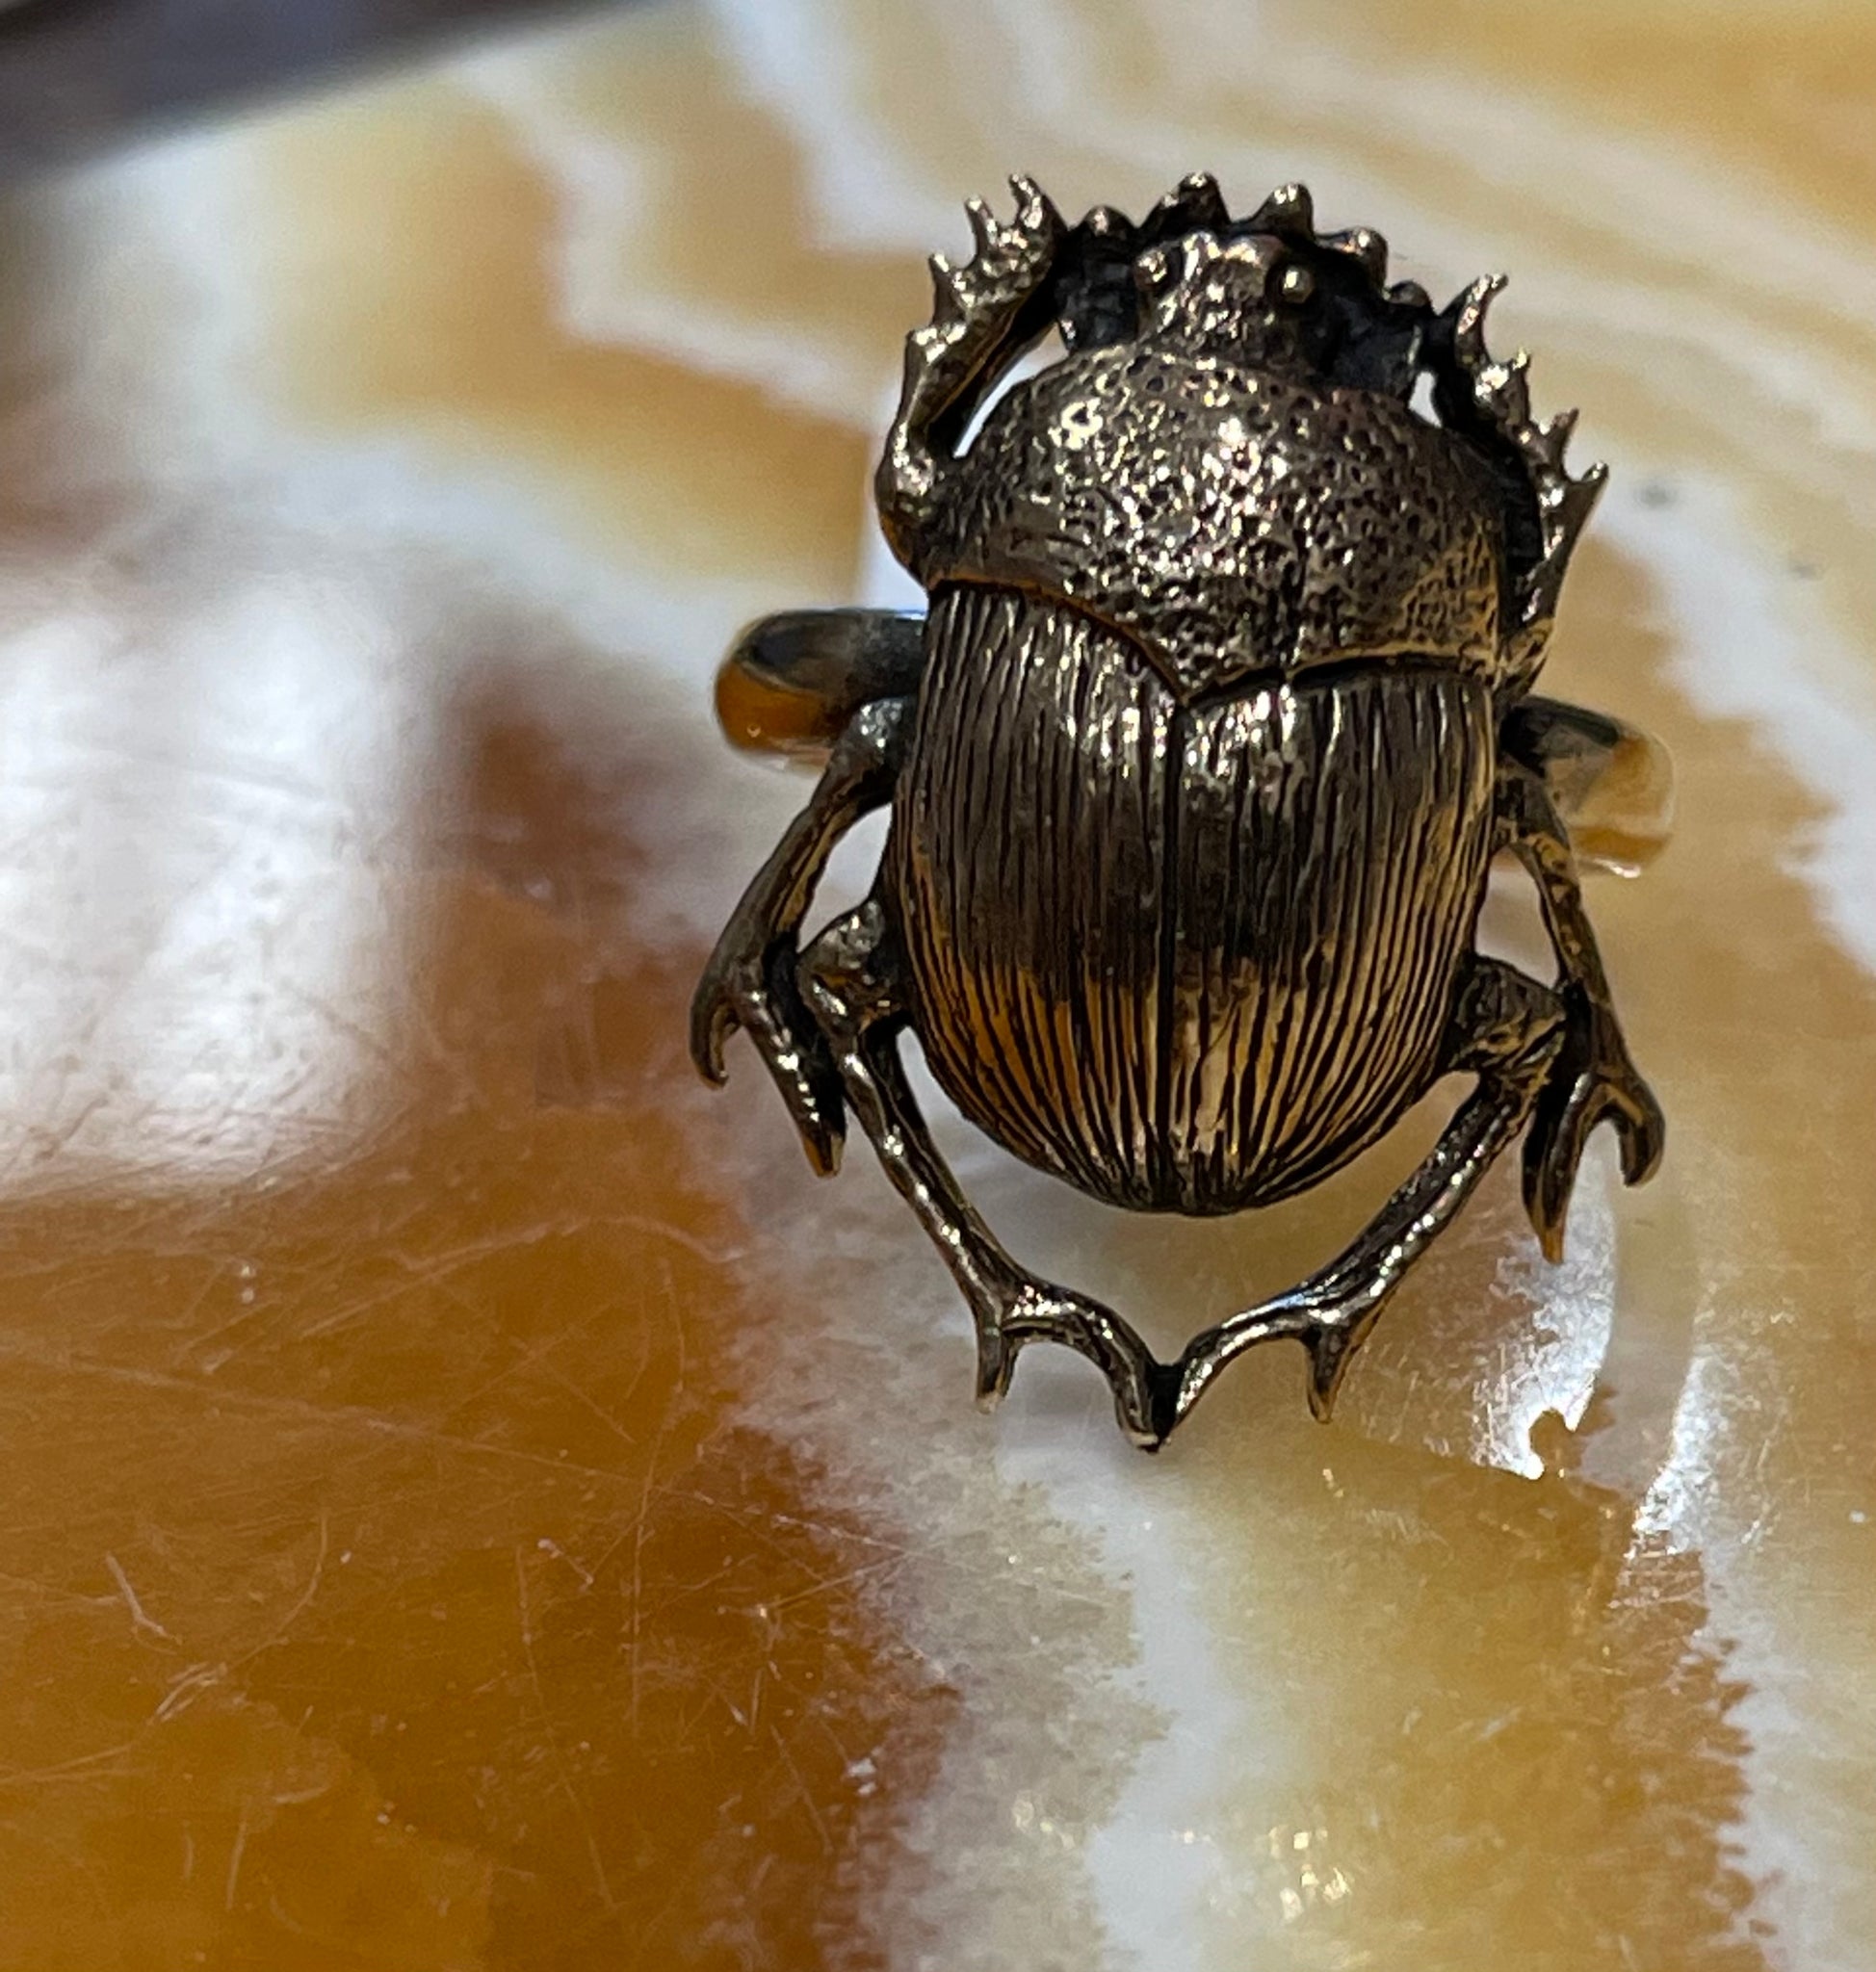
[562, 1380]
[942, 1554]
[341, 1022]
[840, 1578]
[298, 1409]
[306, 1598]
[189, 1685]
[86, 1764]
[676, 1235]
[140, 1618]
[601, 1880]
[47, 1144]
[197, 1678]
[414, 1012]
[235, 1855]
[50, 1593]
[350, 1312]
[788, 1760]
[557, 1552]
[194, 1344]
[434, 1270]
[638, 1592]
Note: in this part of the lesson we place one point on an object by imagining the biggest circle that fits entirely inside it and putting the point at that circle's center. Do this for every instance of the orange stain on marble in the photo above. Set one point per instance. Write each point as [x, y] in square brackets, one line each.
[385, 1581]
[438, 316]
[1520, 1743]
[1787, 88]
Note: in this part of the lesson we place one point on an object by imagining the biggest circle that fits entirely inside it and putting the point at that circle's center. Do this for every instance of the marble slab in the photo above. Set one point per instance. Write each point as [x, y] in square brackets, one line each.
[474, 1499]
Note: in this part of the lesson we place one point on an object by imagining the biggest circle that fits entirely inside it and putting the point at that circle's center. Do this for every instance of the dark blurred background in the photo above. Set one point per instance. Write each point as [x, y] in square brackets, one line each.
[79, 76]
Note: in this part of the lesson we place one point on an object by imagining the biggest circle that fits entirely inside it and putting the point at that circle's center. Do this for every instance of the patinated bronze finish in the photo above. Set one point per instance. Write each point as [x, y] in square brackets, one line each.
[1196, 765]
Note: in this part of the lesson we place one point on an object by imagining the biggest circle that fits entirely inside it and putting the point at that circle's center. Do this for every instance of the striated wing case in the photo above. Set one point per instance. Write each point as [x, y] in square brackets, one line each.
[1188, 957]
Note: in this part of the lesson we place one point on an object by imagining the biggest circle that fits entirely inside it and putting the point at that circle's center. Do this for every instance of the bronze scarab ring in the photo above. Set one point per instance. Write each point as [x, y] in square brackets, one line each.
[1221, 707]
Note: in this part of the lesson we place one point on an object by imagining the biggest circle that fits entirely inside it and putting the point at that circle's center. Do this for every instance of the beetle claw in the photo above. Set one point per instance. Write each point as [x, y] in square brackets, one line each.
[1332, 1348]
[1035, 1312]
[996, 1363]
[1594, 1082]
[739, 992]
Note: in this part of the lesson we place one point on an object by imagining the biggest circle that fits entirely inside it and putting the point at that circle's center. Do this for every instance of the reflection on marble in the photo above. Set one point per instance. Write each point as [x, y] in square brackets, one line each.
[438, 1536]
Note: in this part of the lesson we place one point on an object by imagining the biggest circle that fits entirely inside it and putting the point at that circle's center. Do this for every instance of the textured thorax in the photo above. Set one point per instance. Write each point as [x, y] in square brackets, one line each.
[1235, 522]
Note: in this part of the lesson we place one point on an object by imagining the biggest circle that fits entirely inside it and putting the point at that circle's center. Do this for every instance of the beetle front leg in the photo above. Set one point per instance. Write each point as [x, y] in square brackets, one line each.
[1593, 1080]
[853, 978]
[750, 981]
[984, 315]
[1507, 1028]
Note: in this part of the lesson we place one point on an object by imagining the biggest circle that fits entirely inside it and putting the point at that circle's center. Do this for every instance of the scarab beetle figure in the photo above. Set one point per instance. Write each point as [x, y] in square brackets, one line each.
[1220, 711]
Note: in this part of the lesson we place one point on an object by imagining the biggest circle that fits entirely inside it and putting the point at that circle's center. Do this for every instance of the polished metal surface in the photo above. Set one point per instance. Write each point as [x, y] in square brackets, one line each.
[1220, 711]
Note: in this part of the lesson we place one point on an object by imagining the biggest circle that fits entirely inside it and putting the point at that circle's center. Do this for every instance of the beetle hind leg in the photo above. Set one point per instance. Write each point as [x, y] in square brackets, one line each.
[1507, 1028]
[852, 977]
[1594, 1081]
